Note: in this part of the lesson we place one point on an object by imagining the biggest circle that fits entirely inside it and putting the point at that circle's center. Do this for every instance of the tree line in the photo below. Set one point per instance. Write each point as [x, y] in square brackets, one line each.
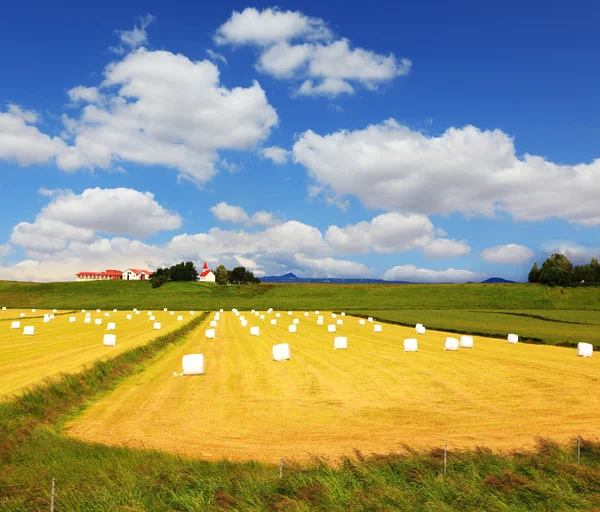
[186, 271]
[557, 270]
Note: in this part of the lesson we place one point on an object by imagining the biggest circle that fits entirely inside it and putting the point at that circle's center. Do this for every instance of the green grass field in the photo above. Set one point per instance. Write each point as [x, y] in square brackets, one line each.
[61, 346]
[203, 296]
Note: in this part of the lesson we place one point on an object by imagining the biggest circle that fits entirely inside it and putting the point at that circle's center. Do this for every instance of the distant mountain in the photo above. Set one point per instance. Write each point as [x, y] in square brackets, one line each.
[293, 278]
[492, 280]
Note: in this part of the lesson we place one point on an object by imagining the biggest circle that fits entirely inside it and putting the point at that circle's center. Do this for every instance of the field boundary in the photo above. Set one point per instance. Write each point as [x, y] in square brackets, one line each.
[49, 403]
[524, 339]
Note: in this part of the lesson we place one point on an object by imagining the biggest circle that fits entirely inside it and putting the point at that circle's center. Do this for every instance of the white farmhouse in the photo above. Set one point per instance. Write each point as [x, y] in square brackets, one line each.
[132, 274]
[207, 276]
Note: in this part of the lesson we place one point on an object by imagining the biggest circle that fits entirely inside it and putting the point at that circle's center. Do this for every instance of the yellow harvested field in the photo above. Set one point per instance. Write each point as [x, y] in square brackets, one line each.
[60, 346]
[372, 397]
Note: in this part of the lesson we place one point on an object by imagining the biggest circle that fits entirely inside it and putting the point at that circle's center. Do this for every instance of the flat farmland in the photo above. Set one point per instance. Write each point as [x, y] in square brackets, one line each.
[59, 346]
[372, 397]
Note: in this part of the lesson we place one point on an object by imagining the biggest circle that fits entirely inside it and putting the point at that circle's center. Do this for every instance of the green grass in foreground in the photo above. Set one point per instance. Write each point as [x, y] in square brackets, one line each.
[92, 477]
[203, 296]
[551, 328]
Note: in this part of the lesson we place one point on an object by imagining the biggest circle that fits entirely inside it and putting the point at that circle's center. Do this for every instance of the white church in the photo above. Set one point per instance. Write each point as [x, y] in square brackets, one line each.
[207, 275]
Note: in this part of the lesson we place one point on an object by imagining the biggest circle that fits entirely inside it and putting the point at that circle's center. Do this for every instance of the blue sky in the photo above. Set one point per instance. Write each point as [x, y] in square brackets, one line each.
[433, 142]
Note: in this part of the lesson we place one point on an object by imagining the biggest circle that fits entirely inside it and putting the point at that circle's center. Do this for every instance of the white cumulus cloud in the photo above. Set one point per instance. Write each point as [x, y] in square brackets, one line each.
[236, 214]
[446, 248]
[576, 253]
[464, 170]
[276, 154]
[413, 274]
[386, 233]
[295, 47]
[511, 254]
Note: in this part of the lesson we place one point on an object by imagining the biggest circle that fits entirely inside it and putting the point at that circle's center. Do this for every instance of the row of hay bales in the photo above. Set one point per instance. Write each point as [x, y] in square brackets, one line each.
[193, 364]
[108, 339]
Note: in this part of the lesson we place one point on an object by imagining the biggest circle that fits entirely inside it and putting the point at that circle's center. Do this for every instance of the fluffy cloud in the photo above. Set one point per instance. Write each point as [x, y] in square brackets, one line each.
[511, 254]
[467, 170]
[269, 26]
[137, 36]
[236, 214]
[324, 65]
[423, 275]
[78, 217]
[6, 249]
[576, 253]
[446, 248]
[157, 108]
[387, 233]
[23, 142]
[278, 155]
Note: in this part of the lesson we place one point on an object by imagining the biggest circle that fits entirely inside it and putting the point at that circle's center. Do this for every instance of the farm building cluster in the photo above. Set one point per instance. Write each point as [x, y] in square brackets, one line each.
[133, 274]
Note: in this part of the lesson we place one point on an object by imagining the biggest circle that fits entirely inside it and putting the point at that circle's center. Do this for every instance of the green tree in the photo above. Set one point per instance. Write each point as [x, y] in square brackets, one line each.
[239, 275]
[158, 280]
[221, 275]
[534, 274]
[184, 271]
[557, 270]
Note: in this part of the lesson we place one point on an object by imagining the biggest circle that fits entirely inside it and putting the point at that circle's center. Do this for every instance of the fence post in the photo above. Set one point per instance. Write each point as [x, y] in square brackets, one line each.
[52, 498]
[445, 459]
[578, 449]
[281, 467]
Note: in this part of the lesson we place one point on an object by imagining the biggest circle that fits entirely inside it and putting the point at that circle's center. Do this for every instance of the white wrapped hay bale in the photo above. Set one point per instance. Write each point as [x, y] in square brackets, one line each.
[218, 317]
[221, 310]
[97, 311]
[513, 339]
[55, 311]
[22, 315]
[270, 310]
[137, 312]
[292, 328]
[3, 308]
[83, 310]
[362, 321]
[306, 313]
[244, 323]
[418, 325]
[584, 349]
[15, 325]
[106, 315]
[411, 345]
[34, 310]
[72, 320]
[98, 321]
[129, 317]
[28, 330]
[370, 319]
[466, 342]
[87, 320]
[165, 309]
[281, 352]
[320, 320]
[110, 340]
[333, 315]
[191, 312]
[157, 326]
[46, 319]
[277, 315]
[421, 330]
[340, 322]
[213, 323]
[377, 328]
[149, 313]
[296, 321]
[254, 331]
[290, 313]
[262, 317]
[172, 313]
[192, 364]
[114, 310]
[111, 326]
[273, 322]
[331, 328]
[51, 317]
[88, 314]
[343, 314]
[451, 344]
[210, 333]
[340, 342]
[179, 318]
[317, 313]
[152, 318]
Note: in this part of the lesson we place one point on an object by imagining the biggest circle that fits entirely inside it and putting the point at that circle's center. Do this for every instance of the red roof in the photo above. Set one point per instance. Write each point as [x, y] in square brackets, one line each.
[205, 273]
[101, 274]
[138, 271]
